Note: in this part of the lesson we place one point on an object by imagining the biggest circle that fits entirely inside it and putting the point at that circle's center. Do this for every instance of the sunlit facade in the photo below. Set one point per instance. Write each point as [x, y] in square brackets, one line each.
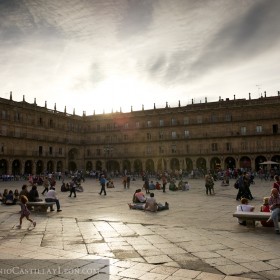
[237, 133]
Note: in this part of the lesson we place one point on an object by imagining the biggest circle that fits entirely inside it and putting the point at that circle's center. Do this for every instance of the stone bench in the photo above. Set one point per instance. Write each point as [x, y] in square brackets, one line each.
[40, 206]
[252, 217]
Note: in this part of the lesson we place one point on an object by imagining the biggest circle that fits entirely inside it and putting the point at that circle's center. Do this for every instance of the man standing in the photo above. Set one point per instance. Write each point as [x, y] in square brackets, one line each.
[103, 184]
[209, 184]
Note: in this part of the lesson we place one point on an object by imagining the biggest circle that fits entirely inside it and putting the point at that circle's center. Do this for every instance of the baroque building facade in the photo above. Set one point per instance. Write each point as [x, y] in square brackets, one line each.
[237, 133]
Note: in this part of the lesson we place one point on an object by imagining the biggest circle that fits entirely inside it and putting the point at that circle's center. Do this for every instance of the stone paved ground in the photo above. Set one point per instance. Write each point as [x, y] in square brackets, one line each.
[196, 239]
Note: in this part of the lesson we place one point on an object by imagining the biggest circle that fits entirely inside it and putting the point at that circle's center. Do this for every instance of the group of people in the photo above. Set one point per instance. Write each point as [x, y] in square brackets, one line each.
[270, 204]
[9, 197]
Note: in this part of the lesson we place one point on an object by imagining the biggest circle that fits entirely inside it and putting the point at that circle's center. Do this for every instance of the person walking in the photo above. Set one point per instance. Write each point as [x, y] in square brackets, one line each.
[103, 184]
[72, 189]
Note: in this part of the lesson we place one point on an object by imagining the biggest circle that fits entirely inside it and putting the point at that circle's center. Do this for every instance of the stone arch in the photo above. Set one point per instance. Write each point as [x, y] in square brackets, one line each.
[98, 165]
[161, 165]
[72, 166]
[150, 166]
[230, 163]
[50, 166]
[16, 167]
[201, 164]
[112, 165]
[189, 164]
[126, 165]
[174, 164]
[215, 163]
[258, 161]
[39, 167]
[137, 166]
[3, 167]
[245, 162]
[28, 167]
[59, 166]
[89, 166]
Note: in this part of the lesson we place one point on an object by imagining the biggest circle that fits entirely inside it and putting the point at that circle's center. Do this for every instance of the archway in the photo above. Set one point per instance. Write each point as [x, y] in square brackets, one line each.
[73, 154]
[16, 167]
[112, 165]
[3, 167]
[174, 164]
[59, 166]
[39, 167]
[50, 168]
[137, 166]
[215, 164]
[89, 166]
[189, 164]
[98, 165]
[126, 165]
[245, 162]
[230, 163]
[72, 166]
[201, 164]
[28, 167]
[150, 167]
[258, 162]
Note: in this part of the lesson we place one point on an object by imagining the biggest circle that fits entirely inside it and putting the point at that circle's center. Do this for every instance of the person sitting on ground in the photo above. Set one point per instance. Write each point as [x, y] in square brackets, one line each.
[4, 196]
[265, 208]
[10, 198]
[33, 195]
[138, 197]
[274, 205]
[158, 186]
[16, 195]
[110, 184]
[172, 186]
[245, 207]
[64, 187]
[51, 197]
[186, 186]
[150, 205]
[180, 185]
[152, 186]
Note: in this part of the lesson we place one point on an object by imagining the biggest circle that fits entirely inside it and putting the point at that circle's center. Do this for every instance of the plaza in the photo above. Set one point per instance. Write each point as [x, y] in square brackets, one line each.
[197, 238]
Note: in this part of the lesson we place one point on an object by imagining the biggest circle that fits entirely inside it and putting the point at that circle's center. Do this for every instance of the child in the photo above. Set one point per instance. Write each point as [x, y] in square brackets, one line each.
[24, 211]
[265, 208]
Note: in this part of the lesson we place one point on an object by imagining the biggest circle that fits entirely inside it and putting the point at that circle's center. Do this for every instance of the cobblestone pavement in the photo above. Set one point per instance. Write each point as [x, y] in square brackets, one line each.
[197, 238]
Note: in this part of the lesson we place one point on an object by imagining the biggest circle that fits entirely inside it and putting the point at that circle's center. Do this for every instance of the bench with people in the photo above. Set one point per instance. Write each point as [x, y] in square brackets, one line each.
[269, 214]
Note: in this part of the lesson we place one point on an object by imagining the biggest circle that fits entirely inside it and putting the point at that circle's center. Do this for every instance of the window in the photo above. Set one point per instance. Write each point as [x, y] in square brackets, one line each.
[137, 124]
[187, 148]
[275, 128]
[173, 121]
[186, 120]
[88, 152]
[214, 147]
[161, 150]
[40, 121]
[50, 150]
[40, 150]
[148, 150]
[228, 117]
[161, 135]
[4, 115]
[199, 119]
[214, 118]
[173, 149]
[173, 135]
[60, 151]
[228, 147]
[161, 122]
[98, 152]
[126, 125]
[259, 129]
[51, 123]
[149, 136]
[186, 133]
[149, 124]
[243, 130]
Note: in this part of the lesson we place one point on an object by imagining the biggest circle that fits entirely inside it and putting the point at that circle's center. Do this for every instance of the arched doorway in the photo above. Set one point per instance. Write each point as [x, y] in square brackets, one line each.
[39, 167]
[174, 164]
[201, 164]
[245, 163]
[16, 167]
[50, 168]
[230, 163]
[98, 165]
[258, 162]
[215, 164]
[189, 164]
[150, 167]
[126, 165]
[28, 167]
[59, 166]
[72, 166]
[112, 165]
[89, 166]
[137, 166]
[3, 167]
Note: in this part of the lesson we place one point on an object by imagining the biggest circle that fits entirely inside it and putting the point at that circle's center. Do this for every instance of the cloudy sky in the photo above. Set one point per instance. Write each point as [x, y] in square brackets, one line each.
[103, 55]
